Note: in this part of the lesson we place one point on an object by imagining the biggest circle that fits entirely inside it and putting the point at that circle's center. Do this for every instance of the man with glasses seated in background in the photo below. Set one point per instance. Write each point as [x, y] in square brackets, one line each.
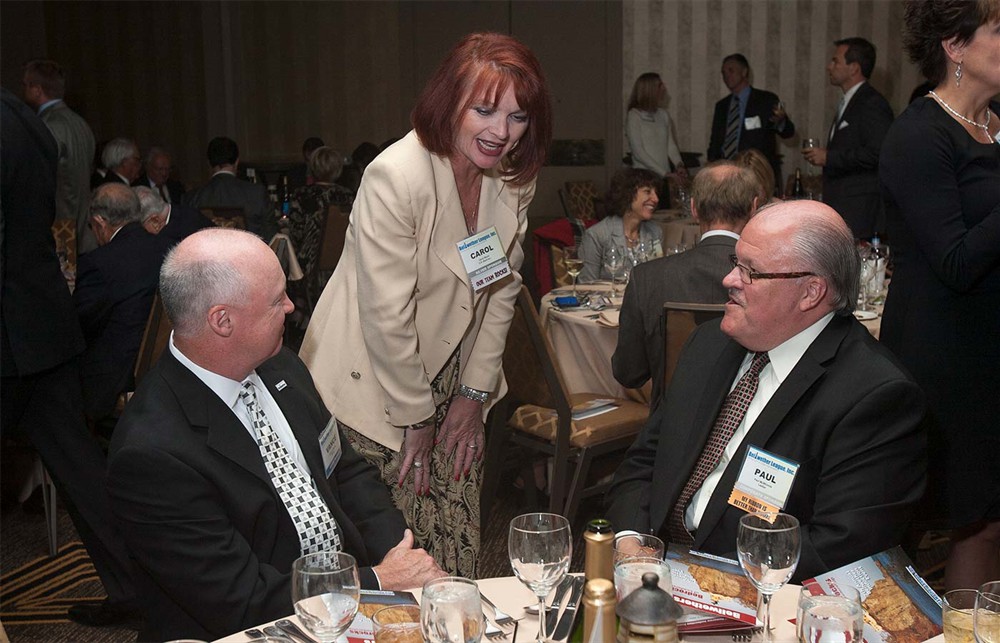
[788, 380]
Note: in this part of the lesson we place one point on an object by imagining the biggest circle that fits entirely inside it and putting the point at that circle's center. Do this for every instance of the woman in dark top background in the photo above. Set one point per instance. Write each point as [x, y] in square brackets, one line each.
[940, 176]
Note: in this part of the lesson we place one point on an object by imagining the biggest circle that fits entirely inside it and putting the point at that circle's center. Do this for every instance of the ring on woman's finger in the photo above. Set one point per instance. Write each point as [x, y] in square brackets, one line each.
[472, 446]
[417, 464]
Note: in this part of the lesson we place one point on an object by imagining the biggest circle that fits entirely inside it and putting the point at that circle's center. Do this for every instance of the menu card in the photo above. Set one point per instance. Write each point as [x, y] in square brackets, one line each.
[900, 607]
[362, 628]
[713, 591]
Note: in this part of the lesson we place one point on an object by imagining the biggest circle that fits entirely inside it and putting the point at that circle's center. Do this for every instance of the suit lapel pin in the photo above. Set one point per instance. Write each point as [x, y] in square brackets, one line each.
[280, 385]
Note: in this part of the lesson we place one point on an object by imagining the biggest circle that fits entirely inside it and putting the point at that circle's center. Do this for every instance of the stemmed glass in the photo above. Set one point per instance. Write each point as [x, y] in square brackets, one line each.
[614, 260]
[867, 272]
[768, 546]
[540, 547]
[325, 593]
[451, 611]
[986, 615]
[573, 263]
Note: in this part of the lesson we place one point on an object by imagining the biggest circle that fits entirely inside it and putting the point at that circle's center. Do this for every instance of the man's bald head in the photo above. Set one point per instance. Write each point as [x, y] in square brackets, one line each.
[213, 266]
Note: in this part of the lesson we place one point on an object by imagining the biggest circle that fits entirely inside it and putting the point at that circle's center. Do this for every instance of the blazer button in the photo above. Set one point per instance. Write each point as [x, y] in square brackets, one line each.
[356, 375]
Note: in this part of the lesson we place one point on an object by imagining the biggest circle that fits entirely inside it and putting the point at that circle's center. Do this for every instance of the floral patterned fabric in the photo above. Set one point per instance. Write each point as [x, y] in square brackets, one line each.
[305, 219]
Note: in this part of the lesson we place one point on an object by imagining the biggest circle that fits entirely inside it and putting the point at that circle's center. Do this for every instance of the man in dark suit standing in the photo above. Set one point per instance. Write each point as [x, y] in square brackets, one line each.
[115, 285]
[723, 196]
[158, 166]
[171, 221]
[789, 375]
[224, 189]
[44, 89]
[40, 345]
[749, 118]
[226, 448]
[850, 158]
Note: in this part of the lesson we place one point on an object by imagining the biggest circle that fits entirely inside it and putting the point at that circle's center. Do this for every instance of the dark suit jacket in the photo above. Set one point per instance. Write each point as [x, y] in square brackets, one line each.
[174, 187]
[694, 276]
[39, 329]
[184, 221]
[847, 413]
[760, 103]
[213, 542]
[115, 284]
[112, 177]
[225, 190]
[850, 176]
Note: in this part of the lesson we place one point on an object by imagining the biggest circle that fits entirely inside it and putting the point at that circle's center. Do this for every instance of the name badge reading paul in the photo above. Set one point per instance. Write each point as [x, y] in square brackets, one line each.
[764, 482]
[484, 258]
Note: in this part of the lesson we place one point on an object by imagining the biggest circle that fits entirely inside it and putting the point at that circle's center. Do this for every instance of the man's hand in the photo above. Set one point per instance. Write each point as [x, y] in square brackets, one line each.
[405, 568]
[815, 155]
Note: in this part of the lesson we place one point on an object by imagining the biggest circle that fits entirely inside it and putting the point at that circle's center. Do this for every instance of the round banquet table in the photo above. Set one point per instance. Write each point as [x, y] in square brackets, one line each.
[583, 343]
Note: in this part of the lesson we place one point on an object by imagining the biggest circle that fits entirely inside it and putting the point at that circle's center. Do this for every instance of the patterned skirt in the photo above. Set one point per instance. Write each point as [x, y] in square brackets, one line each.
[445, 522]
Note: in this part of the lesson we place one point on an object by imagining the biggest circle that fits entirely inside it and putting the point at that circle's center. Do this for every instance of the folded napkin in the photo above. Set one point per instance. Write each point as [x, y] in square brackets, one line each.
[609, 318]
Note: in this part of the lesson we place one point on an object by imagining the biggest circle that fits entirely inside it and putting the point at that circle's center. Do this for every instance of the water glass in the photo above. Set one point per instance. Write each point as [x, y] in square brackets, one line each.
[956, 612]
[398, 624]
[809, 143]
[986, 618]
[642, 545]
[868, 270]
[451, 611]
[768, 546]
[829, 619]
[629, 571]
[540, 546]
[325, 593]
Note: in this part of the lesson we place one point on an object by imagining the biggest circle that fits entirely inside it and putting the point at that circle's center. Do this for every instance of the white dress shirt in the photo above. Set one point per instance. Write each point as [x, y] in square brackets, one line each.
[783, 357]
[229, 392]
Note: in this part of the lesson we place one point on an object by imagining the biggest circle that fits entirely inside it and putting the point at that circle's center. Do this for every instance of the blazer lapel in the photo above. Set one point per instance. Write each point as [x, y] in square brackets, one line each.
[809, 369]
[224, 432]
[449, 225]
[496, 211]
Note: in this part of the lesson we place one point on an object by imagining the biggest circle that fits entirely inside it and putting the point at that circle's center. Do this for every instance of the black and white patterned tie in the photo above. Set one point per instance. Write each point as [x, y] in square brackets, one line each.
[317, 528]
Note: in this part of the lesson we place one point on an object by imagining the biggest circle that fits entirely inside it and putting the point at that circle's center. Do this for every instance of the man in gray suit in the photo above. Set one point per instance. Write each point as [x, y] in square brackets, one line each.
[224, 189]
[44, 88]
[723, 197]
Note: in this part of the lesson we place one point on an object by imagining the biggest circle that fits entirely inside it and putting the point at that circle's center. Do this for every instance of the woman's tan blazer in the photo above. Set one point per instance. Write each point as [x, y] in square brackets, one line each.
[400, 302]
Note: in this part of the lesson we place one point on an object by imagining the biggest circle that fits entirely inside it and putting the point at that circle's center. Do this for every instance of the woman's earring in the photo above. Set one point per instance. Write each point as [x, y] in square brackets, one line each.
[958, 75]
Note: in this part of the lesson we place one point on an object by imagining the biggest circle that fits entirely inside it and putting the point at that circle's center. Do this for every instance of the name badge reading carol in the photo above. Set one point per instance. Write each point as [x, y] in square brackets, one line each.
[329, 445]
[484, 258]
[764, 482]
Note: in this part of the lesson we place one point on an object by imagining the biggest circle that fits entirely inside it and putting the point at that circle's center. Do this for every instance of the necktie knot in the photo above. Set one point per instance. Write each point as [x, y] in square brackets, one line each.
[760, 360]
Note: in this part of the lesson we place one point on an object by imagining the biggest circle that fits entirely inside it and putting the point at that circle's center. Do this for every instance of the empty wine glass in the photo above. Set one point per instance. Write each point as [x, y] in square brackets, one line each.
[325, 592]
[768, 545]
[986, 615]
[614, 260]
[540, 547]
[825, 617]
[451, 611]
[573, 264]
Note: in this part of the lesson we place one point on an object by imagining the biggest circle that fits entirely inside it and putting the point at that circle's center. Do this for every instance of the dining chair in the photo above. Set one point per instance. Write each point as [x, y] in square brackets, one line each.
[678, 322]
[154, 339]
[580, 200]
[64, 232]
[225, 217]
[536, 414]
[331, 247]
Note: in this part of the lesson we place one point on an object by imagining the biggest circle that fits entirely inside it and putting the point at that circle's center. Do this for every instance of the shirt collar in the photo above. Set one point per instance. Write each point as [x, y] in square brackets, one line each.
[849, 94]
[47, 104]
[743, 95]
[229, 172]
[786, 355]
[721, 233]
[228, 390]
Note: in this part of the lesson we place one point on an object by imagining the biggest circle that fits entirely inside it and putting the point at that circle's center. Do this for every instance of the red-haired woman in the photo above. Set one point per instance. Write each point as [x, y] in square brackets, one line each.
[405, 348]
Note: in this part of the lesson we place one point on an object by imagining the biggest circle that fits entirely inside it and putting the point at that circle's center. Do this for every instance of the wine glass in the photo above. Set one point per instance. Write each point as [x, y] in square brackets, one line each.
[986, 615]
[573, 263]
[768, 546]
[451, 611]
[868, 266]
[540, 547]
[957, 613]
[614, 259]
[325, 593]
[825, 617]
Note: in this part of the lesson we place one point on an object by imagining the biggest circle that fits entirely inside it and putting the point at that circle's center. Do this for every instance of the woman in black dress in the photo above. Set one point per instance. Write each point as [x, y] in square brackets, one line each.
[940, 176]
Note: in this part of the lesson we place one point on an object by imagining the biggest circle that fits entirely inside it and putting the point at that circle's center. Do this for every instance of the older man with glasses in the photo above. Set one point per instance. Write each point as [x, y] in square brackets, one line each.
[786, 403]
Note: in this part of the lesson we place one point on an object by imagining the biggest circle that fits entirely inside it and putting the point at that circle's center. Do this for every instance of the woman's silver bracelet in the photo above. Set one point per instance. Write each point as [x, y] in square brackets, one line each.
[473, 394]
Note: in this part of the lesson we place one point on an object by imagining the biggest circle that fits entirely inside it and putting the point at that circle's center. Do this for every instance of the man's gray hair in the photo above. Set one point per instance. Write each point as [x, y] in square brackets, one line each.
[116, 151]
[150, 202]
[189, 288]
[115, 203]
[830, 251]
[154, 152]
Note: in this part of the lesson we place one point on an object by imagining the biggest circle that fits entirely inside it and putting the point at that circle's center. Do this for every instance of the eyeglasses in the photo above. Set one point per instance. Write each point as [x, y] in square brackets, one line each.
[747, 276]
